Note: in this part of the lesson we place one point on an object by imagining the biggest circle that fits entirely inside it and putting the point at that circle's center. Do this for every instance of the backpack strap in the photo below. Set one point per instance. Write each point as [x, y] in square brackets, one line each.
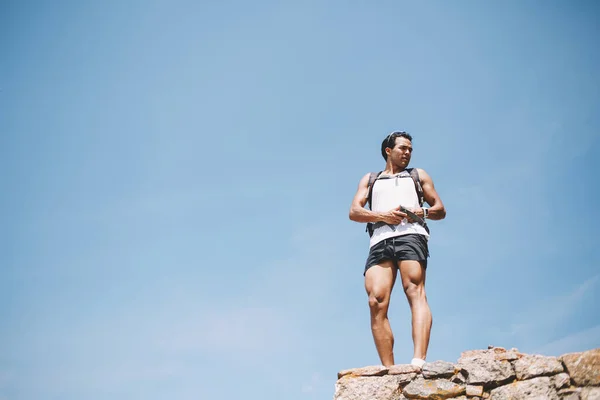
[372, 178]
[414, 174]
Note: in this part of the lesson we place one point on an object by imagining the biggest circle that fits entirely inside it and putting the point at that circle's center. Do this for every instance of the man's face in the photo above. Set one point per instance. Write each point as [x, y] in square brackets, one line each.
[401, 152]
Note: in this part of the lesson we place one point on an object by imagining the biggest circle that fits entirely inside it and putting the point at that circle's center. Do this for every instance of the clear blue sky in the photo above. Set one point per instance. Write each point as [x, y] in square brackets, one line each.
[176, 179]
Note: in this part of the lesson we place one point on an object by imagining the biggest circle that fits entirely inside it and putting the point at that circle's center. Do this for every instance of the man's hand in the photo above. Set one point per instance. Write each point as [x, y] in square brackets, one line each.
[394, 216]
[418, 211]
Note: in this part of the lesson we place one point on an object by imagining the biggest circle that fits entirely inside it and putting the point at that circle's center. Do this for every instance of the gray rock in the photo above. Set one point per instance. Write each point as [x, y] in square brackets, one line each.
[460, 377]
[403, 369]
[584, 368]
[487, 371]
[372, 370]
[498, 353]
[569, 394]
[433, 389]
[530, 366]
[562, 380]
[438, 369]
[540, 388]
[368, 388]
[590, 393]
[474, 390]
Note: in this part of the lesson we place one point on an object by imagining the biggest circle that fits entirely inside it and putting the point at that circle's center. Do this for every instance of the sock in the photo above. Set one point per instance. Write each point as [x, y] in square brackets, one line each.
[418, 362]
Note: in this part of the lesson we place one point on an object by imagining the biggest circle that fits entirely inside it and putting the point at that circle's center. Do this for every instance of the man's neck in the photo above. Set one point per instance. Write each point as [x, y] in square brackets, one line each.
[393, 169]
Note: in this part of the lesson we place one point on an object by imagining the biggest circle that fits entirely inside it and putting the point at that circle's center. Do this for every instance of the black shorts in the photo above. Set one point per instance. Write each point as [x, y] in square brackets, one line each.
[404, 247]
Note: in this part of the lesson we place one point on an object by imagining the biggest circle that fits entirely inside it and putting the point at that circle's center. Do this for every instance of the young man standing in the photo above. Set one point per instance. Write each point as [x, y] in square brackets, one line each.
[399, 235]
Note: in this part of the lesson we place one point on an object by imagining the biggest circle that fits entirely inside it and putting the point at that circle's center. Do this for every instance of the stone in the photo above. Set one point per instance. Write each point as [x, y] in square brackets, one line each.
[432, 389]
[492, 374]
[508, 355]
[368, 388]
[374, 370]
[473, 390]
[497, 353]
[487, 371]
[460, 377]
[583, 367]
[569, 394]
[438, 369]
[403, 379]
[562, 380]
[531, 366]
[540, 388]
[590, 393]
[403, 369]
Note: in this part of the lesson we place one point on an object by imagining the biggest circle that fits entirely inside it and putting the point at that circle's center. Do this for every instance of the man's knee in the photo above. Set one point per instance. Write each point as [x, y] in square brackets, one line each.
[378, 300]
[414, 292]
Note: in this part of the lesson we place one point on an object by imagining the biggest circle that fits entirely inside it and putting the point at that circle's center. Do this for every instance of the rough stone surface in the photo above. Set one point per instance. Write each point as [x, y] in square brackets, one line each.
[569, 394]
[590, 393]
[562, 380]
[531, 366]
[368, 388]
[473, 390]
[460, 377]
[584, 367]
[486, 371]
[498, 353]
[540, 388]
[492, 374]
[403, 369]
[374, 370]
[438, 369]
[432, 389]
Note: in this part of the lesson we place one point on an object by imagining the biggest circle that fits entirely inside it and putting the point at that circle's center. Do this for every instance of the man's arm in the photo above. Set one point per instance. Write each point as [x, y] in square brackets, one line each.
[359, 213]
[437, 210]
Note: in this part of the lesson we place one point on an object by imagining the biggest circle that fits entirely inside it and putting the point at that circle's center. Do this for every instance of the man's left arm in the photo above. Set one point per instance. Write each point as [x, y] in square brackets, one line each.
[436, 210]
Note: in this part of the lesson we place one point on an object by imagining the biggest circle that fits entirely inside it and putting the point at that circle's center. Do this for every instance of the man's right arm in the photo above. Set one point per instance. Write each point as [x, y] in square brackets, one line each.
[359, 213]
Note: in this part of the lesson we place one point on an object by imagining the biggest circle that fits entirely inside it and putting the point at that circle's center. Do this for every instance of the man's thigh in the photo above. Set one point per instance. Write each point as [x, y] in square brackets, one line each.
[380, 279]
[412, 273]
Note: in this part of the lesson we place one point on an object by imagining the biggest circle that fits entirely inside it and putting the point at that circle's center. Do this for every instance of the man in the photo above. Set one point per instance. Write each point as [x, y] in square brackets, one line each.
[398, 242]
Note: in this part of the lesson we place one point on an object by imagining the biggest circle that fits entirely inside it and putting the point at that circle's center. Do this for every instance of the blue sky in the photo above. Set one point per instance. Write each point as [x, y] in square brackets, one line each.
[177, 177]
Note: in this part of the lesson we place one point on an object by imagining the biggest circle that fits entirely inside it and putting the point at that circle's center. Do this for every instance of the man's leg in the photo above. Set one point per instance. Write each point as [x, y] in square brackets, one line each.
[413, 282]
[379, 282]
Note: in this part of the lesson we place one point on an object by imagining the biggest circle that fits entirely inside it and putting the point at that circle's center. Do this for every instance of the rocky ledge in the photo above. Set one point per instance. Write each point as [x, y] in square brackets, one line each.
[495, 373]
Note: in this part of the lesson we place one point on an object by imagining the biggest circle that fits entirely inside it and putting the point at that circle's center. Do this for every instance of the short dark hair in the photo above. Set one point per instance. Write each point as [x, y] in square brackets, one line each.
[390, 141]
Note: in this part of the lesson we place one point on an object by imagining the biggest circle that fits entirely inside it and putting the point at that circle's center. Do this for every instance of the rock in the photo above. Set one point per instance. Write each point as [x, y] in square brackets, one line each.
[375, 370]
[473, 390]
[479, 375]
[584, 367]
[368, 388]
[590, 393]
[498, 353]
[569, 394]
[540, 388]
[438, 369]
[487, 371]
[460, 377]
[531, 366]
[561, 380]
[403, 369]
[432, 389]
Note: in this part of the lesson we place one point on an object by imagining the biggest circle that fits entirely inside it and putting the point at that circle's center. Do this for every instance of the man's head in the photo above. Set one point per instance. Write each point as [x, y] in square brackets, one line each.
[398, 147]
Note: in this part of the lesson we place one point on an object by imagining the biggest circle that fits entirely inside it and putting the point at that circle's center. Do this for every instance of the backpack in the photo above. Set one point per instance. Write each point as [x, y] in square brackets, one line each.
[414, 174]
